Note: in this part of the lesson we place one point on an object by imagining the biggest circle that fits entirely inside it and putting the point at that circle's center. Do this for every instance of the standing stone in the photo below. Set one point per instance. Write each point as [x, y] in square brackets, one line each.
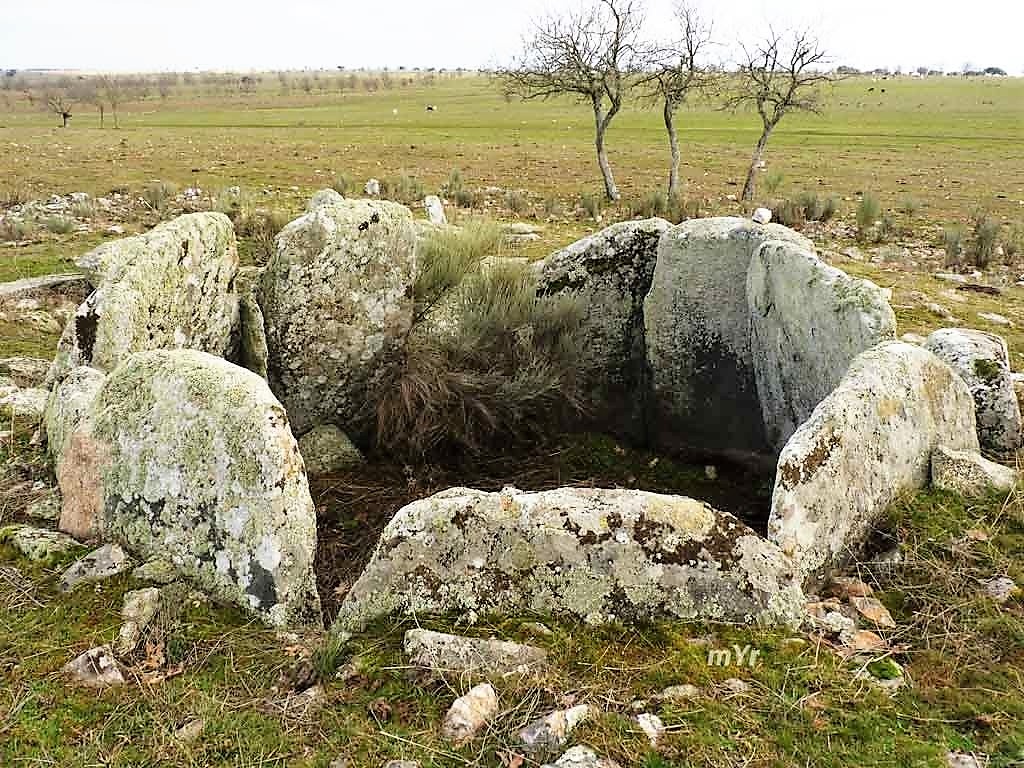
[808, 321]
[697, 321]
[186, 456]
[982, 360]
[171, 288]
[68, 403]
[435, 210]
[869, 441]
[591, 554]
[610, 273]
[337, 304]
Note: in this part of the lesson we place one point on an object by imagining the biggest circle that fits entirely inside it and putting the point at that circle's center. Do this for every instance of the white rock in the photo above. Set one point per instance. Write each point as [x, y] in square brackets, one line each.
[679, 693]
[324, 197]
[865, 444]
[982, 361]
[372, 188]
[554, 729]
[581, 757]
[470, 713]
[762, 216]
[435, 210]
[969, 473]
[138, 610]
[652, 727]
[966, 760]
[1000, 589]
[996, 319]
[465, 656]
[96, 668]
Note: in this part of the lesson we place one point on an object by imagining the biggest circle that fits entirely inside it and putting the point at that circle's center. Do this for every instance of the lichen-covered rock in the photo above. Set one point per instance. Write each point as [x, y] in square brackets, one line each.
[170, 288]
[435, 210]
[981, 359]
[460, 657]
[808, 322]
[251, 347]
[39, 544]
[186, 456]
[324, 197]
[610, 272]
[67, 405]
[697, 321]
[24, 406]
[24, 371]
[592, 554]
[96, 668]
[103, 563]
[337, 305]
[969, 473]
[581, 757]
[865, 444]
[138, 610]
[326, 449]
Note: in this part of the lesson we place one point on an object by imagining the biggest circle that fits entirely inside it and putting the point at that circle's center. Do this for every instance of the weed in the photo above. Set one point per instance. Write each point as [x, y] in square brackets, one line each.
[466, 198]
[773, 181]
[1013, 243]
[17, 230]
[516, 201]
[158, 194]
[552, 207]
[868, 211]
[789, 214]
[83, 209]
[591, 205]
[953, 243]
[59, 225]
[341, 184]
[261, 229]
[650, 205]
[910, 207]
[985, 239]
[12, 195]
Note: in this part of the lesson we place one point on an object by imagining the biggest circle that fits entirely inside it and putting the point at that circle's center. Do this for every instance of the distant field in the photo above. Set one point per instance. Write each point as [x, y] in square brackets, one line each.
[954, 145]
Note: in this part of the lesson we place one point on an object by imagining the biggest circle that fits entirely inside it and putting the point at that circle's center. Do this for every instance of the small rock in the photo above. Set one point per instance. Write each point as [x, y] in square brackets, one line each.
[470, 713]
[157, 571]
[521, 228]
[652, 727]
[762, 216]
[435, 210]
[46, 507]
[494, 659]
[735, 685]
[24, 404]
[372, 188]
[940, 311]
[711, 472]
[139, 609]
[581, 757]
[38, 544]
[190, 731]
[1000, 589]
[834, 623]
[966, 760]
[396, 764]
[537, 629]
[947, 277]
[103, 563]
[324, 197]
[554, 729]
[873, 610]
[969, 473]
[96, 668]
[845, 587]
[326, 449]
[863, 641]
[885, 674]
[679, 693]
[995, 319]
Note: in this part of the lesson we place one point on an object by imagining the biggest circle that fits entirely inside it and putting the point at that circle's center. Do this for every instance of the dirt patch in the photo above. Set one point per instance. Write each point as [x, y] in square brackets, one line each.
[354, 507]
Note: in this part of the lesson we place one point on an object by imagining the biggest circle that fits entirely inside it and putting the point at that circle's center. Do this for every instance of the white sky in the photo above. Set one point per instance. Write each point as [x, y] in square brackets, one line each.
[153, 35]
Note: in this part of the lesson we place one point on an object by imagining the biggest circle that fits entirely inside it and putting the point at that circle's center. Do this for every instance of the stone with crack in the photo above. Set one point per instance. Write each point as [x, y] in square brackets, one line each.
[138, 610]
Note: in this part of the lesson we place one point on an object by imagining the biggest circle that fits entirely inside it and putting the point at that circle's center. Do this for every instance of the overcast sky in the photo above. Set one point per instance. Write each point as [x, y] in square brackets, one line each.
[153, 35]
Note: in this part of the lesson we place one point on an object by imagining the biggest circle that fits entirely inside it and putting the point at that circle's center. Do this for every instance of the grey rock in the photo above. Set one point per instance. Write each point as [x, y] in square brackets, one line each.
[24, 371]
[597, 555]
[46, 507]
[552, 731]
[981, 359]
[969, 473]
[71, 285]
[24, 405]
[762, 216]
[252, 350]
[67, 405]
[1000, 589]
[337, 307]
[473, 657]
[139, 609]
[652, 727]
[966, 760]
[868, 442]
[808, 322]
[186, 456]
[96, 668]
[39, 544]
[324, 197]
[469, 713]
[326, 449]
[100, 564]
[679, 693]
[610, 273]
[435, 210]
[581, 757]
[399, 764]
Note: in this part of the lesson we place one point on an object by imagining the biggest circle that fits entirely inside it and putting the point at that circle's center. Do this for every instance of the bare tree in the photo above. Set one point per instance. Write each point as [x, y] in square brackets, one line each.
[112, 92]
[780, 75]
[674, 72]
[60, 105]
[589, 54]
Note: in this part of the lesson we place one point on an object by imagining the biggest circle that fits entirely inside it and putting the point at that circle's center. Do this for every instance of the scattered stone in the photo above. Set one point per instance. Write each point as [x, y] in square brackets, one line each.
[581, 757]
[186, 456]
[451, 654]
[337, 306]
[847, 587]
[470, 713]
[995, 319]
[372, 188]
[326, 449]
[100, 564]
[139, 609]
[67, 405]
[401, 764]
[159, 570]
[947, 277]
[190, 732]
[982, 360]
[24, 371]
[762, 216]
[96, 668]
[865, 444]
[884, 673]
[39, 544]
[435, 210]
[832, 623]
[537, 629]
[736, 686]
[610, 274]
[864, 641]
[969, 473]
[873, 610]
[552, 731]
[522, 228]
[46, 507]
[324, 197]
[679, 693]
[966, 760]
[652, 727]
[27, 405]
[598, 555]
[940, 311]
[1000, 589]
[170, 288]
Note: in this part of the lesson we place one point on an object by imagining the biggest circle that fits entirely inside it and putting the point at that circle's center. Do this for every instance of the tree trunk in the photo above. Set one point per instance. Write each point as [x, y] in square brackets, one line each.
[600, 126]
[101, 117]
[673, 144]
[751, 185]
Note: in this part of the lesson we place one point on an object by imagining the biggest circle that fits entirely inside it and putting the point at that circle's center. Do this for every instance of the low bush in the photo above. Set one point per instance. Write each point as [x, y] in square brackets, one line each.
[985, 240]
[773, 181]
[652, 204]
[341, 184]
[59, 225]
[83, 209]
[12, 195]
[158, 194]
[788, 214]
[261, 228]
[16, 230]
[868, 212]
[404, 189]
[552, 206]
[591, 204]
[953, 243]
[517, 201]
[1013, 244]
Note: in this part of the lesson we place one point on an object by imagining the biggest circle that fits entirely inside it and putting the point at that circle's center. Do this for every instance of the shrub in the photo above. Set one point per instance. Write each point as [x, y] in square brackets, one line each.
[262, 228]
[788, 213]
[552, 206]
[405, 189]
[953, 242]
[157, 194]
[986, 238]
[488, 360]
[11, 195]
[453, 186]
[341, 184]
[516, 201]
[868, 212]
[773, 181]
[652, 204]
[83, 209]
[591, 204]
[1014, 242]
[885, 228]
[466, 198]
[58, 225]
[233, 202]
[15, 230]
[909, 206]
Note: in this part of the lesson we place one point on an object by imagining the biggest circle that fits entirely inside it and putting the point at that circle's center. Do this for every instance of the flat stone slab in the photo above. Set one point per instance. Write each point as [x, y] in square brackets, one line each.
[451, 654]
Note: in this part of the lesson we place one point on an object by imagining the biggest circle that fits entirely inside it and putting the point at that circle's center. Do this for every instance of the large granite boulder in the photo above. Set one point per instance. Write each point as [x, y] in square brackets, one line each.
[982, 360]
[337, 304]
[869, 441]
[186, 456]
[171, 288]
[596, 555]
[697, 321]
[610, 272]
[69, 402]
[808, 321]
